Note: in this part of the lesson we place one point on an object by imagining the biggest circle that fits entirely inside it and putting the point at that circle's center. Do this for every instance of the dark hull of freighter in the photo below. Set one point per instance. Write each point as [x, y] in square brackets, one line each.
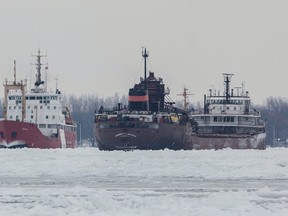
[221, 141]
[164, 136]
[16, 134]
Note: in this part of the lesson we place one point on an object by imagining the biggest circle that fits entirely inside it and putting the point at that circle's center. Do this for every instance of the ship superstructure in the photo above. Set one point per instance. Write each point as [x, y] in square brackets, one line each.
[228, 120]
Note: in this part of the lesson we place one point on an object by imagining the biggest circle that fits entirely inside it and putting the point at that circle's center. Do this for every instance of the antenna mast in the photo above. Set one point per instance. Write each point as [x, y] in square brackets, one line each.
[227, 80]
[38, 67]
[46, 77]
[57, 90]
[14, 72]
[145, 55]
[185, 95]
[14, 85]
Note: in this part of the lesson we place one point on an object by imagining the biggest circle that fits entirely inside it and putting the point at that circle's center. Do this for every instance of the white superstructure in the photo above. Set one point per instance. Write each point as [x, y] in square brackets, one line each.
[37, 106]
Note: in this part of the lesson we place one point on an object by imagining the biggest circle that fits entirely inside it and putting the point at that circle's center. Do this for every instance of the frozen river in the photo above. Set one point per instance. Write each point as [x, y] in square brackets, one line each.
[86, 181]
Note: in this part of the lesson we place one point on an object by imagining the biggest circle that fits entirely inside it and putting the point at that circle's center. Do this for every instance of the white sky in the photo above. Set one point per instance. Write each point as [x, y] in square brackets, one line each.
[94, 46]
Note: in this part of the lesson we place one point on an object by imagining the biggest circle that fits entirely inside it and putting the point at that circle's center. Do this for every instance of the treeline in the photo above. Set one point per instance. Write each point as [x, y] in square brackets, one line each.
[275, 113]
[83, 109]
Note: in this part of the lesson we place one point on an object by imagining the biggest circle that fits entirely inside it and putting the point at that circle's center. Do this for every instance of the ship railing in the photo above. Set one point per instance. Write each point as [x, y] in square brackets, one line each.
[124, 117]
[236, 124]
[219, 135]
[130, 124]
[134, 119]
[124, 111]
[6, 82]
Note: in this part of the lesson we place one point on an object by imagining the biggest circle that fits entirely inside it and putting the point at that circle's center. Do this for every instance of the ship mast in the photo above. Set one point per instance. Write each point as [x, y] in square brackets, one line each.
[15, 86]
[38, 67]
[145, 55]
[185, 96]
[14, 72]
[227, 80]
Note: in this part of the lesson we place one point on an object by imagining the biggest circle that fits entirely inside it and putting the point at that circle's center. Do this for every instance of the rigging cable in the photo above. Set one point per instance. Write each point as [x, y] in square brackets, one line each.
[138, 70]
[151, 68]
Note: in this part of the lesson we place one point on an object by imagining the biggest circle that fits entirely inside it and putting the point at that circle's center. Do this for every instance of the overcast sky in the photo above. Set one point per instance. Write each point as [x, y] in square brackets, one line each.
[94, 46]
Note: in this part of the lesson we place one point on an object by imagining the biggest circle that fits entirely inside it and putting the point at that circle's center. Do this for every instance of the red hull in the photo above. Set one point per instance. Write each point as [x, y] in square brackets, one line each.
[22, 134]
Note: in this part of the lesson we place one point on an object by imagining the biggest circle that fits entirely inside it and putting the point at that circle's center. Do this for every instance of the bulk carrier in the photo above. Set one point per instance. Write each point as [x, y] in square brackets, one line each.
[148, 123]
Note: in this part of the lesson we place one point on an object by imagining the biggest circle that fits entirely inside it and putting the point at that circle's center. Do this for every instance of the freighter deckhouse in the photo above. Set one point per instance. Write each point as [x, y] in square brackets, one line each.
[35, 119]
[149, 122]
[228, 120]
